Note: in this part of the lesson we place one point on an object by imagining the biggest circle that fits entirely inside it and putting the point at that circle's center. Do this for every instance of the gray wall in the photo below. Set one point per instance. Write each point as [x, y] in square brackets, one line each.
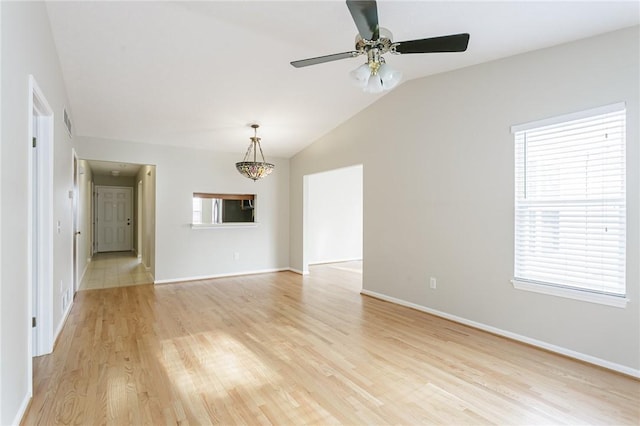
[443, 145]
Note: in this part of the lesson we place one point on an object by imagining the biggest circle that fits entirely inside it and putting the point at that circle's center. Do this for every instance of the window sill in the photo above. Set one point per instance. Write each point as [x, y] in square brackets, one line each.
[585, 296]
[224, 225]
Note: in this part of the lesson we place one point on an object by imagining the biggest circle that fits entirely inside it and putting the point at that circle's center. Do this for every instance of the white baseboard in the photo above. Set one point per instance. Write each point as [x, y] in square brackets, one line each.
[209, 277]
[84, 272]
[323, 262]
[62, 323]
[25, 403]
[22, 410]
[297, 271]
[524, 339]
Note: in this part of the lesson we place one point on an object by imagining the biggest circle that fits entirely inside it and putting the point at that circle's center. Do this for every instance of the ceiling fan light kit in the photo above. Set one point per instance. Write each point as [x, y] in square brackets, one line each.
[254, 169]
[374, 41]
[376, 77]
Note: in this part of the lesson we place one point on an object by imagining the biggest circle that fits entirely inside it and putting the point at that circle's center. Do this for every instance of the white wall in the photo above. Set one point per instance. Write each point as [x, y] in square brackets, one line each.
[445, 148]
[334, 216]
[27, 48]
[183, 252]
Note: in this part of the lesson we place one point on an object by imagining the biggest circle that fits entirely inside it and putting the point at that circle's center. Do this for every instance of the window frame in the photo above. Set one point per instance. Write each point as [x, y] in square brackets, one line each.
[572, 292]
[242, 198]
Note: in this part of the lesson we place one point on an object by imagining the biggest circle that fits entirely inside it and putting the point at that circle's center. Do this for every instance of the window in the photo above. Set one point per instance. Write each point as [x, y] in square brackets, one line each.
[570, 208]
[218, 209]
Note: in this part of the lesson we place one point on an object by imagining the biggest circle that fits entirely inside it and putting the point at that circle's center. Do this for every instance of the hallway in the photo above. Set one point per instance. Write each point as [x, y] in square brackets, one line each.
[115, 269]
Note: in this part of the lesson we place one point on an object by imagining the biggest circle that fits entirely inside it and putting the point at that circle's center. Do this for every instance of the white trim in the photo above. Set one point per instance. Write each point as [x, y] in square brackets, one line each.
[524, 339]
[324, 262]
[84, 272]
[305, 224]
[210, 277]
[568, 117]
[297, 271]
[23, 409]
[75, 219]
[224, 225]
[64, 320]
[569, 293]
[1, 286]
[44, 310]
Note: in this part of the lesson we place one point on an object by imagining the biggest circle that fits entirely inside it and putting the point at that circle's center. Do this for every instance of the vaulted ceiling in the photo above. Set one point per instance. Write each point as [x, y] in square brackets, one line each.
[196, 74]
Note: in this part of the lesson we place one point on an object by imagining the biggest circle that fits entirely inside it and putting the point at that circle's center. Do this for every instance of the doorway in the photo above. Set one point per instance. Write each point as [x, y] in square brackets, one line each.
[114, 217]
[332, 230]
[76, 231]
[40, 231]
[139, 230]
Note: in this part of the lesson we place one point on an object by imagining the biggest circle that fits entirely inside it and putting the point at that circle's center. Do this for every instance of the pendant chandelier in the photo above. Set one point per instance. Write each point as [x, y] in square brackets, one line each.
[254, 169]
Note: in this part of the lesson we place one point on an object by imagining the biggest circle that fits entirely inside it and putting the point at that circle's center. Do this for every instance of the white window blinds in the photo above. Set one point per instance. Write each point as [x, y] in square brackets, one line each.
[570, 210]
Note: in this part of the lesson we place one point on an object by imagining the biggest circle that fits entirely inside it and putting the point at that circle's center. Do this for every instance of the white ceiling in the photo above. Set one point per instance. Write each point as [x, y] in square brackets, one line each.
[106, 168]
[198, 73]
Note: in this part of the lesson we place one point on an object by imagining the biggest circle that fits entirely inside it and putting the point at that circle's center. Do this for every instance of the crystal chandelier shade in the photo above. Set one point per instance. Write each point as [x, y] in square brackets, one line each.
[254, 169]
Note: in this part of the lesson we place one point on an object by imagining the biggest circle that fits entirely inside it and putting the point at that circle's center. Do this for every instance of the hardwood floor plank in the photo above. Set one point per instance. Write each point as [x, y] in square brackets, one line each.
[285, 349]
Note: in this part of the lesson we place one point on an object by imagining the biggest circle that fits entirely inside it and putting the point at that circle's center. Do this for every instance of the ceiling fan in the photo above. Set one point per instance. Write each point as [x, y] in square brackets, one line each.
[374, 41]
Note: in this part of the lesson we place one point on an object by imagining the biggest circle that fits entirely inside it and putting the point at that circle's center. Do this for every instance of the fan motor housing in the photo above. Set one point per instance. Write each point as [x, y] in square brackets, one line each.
[383, 43]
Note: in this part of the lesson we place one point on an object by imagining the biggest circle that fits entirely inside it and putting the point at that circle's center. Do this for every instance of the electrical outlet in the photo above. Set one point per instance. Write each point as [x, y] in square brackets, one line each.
[432, 282]
[236, 256]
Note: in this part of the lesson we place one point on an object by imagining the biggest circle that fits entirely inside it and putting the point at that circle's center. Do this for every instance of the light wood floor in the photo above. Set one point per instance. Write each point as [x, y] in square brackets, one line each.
[284, 349]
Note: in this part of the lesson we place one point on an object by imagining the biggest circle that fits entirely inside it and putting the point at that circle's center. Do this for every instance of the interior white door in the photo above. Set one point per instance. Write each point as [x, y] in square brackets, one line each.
[35, 235]
[114, 218]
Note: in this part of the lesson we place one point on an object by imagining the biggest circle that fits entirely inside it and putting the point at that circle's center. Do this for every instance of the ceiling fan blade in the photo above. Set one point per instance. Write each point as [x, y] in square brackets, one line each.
[322, 59]
[365, 16]
[449, 43]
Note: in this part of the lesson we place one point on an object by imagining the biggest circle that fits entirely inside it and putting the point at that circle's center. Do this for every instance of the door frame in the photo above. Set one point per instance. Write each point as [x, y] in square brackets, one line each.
[139, 205]
[308, 196]
[97, 218]
[40, 283]
[75, 222]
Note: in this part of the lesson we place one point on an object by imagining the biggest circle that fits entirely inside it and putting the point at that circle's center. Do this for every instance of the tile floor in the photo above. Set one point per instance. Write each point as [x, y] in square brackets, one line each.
[116, 269]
